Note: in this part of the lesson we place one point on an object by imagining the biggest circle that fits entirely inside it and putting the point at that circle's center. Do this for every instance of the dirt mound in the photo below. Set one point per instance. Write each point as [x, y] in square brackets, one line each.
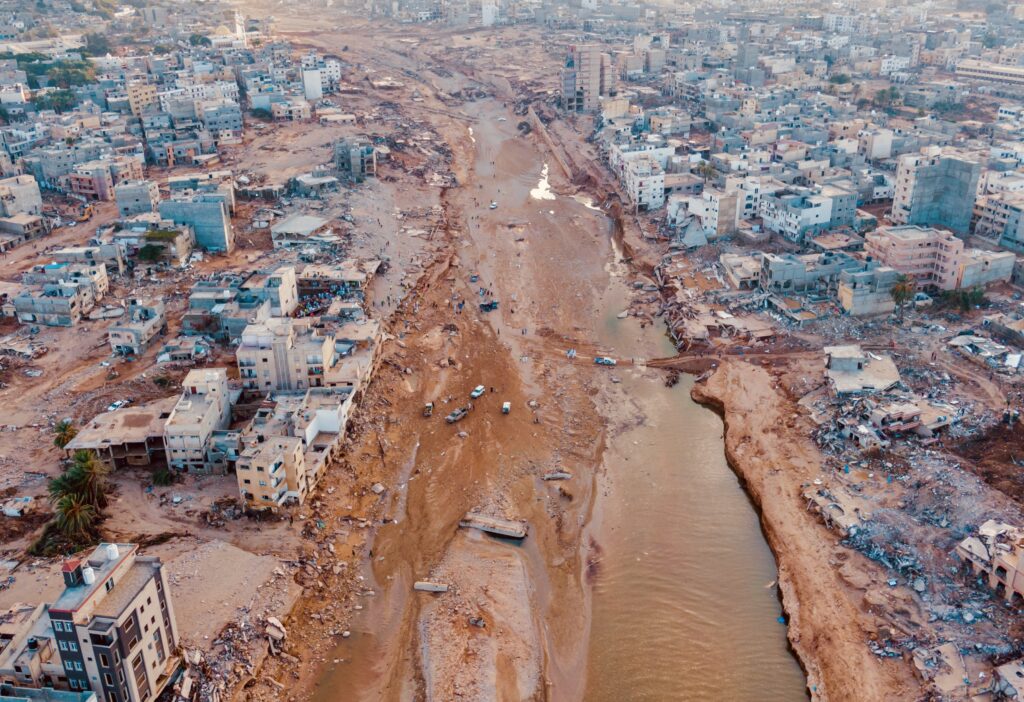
[997, 457]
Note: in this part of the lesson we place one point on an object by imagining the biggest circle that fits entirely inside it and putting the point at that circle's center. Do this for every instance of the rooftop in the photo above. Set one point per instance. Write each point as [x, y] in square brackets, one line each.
[127, 425]
[103, 561]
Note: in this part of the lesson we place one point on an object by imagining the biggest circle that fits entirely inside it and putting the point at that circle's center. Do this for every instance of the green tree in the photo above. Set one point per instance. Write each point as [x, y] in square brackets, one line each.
[75, 516]
[85, 479]
[63, 433]
[199, 40]
[151, 253]
[91, 478]
[886, 98]
[902, 292]
[706, 170]
[96, 45]
[56, 100]
[840, 79]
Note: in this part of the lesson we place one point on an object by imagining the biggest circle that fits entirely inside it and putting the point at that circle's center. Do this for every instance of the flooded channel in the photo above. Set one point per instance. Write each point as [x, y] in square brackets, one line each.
[685, 605]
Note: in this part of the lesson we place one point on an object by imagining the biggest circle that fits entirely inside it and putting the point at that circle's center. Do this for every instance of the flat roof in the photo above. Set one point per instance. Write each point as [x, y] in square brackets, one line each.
[298, 224]
[128, 425]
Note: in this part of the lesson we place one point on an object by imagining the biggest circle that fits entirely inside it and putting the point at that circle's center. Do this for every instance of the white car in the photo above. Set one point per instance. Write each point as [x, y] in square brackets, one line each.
[477, 391]
[118, 404]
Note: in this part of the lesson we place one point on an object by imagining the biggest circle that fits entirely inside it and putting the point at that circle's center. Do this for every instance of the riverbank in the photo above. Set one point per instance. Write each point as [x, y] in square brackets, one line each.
[823, 585]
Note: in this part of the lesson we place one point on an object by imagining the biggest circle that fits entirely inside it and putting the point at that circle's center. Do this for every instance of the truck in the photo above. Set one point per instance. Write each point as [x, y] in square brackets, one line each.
[456, 415]
[489, 306]
[604, 361]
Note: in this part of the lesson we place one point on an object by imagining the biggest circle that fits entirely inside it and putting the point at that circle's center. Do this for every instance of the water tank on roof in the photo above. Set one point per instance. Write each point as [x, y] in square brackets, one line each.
[111, 552]
[88, 575]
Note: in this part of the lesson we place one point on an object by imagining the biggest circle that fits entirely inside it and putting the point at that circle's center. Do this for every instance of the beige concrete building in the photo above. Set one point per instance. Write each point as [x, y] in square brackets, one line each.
[295, 354]
[284, 354]
[937, 259]
[111, 632]
[141, 96]
[203, 408]
[290, 443]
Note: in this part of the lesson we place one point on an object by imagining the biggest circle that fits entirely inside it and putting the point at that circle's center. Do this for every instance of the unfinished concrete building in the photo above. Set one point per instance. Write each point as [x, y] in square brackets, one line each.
[588, 74]
[209, 216]
[936, 188]
[136, 197]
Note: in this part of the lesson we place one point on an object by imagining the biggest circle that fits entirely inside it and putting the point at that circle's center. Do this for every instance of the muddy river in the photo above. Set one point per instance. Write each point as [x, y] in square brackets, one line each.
[684, 604]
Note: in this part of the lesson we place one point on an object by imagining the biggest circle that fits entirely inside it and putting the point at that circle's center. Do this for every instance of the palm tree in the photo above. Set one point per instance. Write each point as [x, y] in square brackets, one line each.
[75, 516]
[61, 486]
[902, 292]
[90, 476]
[706, 171]
[63, 433]
[85, 480]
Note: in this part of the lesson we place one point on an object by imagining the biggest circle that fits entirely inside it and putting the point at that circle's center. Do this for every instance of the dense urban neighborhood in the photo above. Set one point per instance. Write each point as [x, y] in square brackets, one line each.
[511, 350]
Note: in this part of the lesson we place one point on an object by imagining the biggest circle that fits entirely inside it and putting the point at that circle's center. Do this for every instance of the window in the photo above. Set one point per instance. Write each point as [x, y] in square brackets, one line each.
[73, 684]
[108, 679]
[63, 645]
[78, 665]
[72, 646]
[109, 585]
[104, 661]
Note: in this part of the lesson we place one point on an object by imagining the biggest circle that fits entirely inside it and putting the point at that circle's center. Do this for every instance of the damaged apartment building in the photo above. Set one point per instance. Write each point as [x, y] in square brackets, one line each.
[60, 294]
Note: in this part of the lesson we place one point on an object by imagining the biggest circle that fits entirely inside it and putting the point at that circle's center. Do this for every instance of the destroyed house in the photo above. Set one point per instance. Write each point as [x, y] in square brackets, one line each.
[145, 320]
[850, 370]
[345, 279]
[996, 555]
[787, 272]
[221, 310]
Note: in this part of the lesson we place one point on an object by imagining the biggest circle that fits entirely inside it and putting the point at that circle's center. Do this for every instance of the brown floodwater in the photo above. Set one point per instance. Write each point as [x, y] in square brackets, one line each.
[684, 603]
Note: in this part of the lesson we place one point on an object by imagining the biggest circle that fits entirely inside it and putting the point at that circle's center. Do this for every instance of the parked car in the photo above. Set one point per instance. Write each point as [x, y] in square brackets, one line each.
[489, 306]
[428, 409]
[604, 361]
[118, 404]
[506, 407]
[456, 415]
[493, 205]
[478, 391]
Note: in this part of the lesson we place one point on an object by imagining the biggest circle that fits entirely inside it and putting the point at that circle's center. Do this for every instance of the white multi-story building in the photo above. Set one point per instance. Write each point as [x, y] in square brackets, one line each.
[644, 180]
[794, 215]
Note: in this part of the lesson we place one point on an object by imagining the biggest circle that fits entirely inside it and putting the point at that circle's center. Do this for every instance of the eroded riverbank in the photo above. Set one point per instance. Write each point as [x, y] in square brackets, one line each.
[769, 448]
